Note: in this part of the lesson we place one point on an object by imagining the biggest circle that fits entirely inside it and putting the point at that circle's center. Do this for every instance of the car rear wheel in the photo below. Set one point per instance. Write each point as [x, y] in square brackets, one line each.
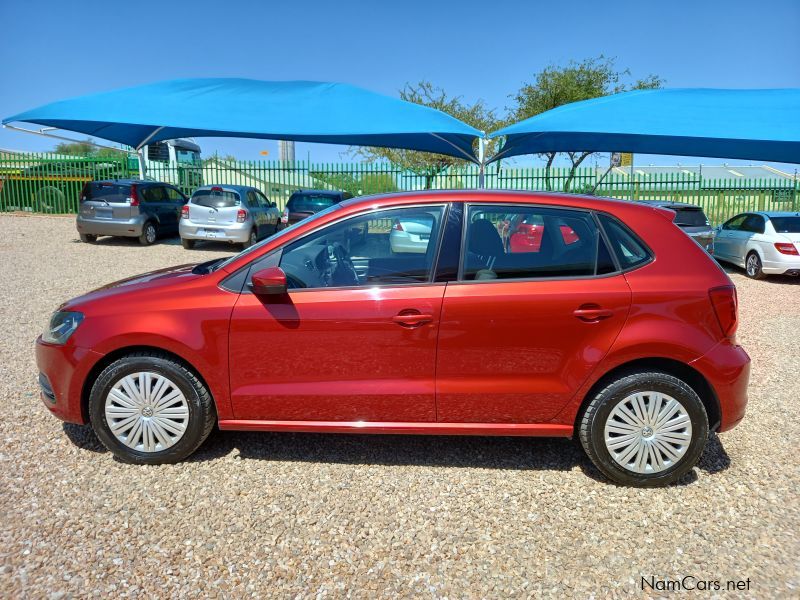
[753, 266]
[149, 234]
[88, 238]
[188, 244]
[645, 429]
[251, 240]
[149, 409]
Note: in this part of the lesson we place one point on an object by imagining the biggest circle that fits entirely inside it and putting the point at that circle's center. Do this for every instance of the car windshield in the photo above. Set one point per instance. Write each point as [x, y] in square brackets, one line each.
[786, 224]
[215, 198]
[310, 202]
[690, 217]
[281, 234]
[187, 156]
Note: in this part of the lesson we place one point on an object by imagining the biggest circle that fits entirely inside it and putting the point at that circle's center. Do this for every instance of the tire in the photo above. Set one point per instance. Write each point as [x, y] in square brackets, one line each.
[251, 240]
[753, 266]
[188, 244]
[149, 234]
[87, 238]
[607, 409]
[162, 437]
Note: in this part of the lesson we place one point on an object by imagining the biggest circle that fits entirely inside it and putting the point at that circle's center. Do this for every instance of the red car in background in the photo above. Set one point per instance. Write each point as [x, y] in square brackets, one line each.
[613, 327]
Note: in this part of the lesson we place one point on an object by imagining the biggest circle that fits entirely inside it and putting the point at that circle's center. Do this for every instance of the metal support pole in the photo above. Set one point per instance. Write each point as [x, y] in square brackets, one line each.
[482, 163]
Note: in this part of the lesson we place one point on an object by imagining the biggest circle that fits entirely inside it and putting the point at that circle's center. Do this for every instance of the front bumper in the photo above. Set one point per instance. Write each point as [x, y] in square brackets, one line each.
[727, 368]
[236, 233]
[123, 228]
[62, 373]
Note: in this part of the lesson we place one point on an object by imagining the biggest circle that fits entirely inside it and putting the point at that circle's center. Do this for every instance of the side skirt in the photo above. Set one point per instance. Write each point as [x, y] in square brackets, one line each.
[515, 429]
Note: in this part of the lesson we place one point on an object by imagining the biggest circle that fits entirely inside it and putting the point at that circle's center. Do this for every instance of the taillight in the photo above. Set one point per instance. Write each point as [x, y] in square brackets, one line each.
[185, 211]
[241, 216]
[134, 195]
[725, 304]
[785, 248]
[397, 225]
[285, 215]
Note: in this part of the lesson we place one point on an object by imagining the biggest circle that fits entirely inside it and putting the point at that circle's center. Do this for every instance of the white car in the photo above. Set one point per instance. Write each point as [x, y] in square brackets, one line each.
[411, 235]
[763, 243]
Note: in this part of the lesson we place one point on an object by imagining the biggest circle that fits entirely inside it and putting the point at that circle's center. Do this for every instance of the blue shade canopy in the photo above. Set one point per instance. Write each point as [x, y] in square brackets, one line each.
[305, 111]
[746, 124]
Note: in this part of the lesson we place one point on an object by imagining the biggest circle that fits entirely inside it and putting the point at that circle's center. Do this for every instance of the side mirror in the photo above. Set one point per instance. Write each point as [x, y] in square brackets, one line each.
[268, 282]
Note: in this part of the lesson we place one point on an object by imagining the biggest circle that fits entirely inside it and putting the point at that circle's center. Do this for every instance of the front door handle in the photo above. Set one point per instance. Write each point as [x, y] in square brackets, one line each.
[591, 313]
[412, 319]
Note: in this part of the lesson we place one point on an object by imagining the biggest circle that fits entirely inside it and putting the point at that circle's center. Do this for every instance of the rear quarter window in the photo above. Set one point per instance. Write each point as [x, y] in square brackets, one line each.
[215, 199]
[629, 250]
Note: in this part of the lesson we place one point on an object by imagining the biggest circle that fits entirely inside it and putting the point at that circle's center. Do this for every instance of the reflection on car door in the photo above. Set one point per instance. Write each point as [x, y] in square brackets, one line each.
[725, 241]
[514, 346]
[342, 348]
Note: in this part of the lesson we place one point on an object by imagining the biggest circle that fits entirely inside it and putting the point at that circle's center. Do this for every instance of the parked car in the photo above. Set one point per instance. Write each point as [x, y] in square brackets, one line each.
[228, 213]
[129, 208]
[763, 243]
[523, 233]
[304, 203]
[691, 219]
[411, 234]
[624, 339]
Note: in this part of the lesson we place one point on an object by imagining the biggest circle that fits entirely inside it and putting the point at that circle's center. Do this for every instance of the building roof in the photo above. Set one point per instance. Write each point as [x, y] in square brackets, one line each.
[707, 171]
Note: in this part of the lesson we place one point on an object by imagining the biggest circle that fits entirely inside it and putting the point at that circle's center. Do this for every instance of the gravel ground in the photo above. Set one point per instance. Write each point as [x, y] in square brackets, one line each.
[317, 515]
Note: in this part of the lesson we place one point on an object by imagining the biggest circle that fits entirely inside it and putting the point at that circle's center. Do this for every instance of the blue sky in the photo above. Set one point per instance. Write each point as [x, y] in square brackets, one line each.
[54, 49]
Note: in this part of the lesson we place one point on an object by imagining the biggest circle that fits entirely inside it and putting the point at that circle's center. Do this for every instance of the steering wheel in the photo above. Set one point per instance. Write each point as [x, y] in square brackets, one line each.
[344, 272]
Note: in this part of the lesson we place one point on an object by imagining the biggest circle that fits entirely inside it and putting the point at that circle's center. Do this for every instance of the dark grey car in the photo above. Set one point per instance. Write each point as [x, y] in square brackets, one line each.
[129, 208]
[691, 219]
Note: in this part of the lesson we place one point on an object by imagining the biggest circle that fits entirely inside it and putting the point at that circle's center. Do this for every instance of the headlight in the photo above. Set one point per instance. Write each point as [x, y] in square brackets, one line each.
[61, 326]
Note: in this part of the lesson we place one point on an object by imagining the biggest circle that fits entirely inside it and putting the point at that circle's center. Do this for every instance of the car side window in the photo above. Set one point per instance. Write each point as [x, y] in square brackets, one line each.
[522, 242]
[753, 224]
[629, 250]
[385, 247]
[174, 195]
[153, 193]
[252, 199]
[734, 224]
[263, 200]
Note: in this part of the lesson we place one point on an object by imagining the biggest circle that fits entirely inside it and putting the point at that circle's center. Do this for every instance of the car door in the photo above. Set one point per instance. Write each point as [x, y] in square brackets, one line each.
[156, 202]
[271, 213]
[724, 243]
[174, 204]
[752, 234]
[341, 346]
[257, 213]
[521, 331]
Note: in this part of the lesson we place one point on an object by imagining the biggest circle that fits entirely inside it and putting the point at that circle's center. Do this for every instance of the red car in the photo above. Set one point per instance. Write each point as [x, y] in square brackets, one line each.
[623, 337]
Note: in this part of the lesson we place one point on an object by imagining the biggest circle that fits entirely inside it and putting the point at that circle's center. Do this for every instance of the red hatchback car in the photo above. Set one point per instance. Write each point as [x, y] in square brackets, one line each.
[621, 334]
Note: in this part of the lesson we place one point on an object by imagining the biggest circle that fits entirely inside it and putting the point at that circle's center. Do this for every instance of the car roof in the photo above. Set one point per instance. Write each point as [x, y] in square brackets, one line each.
[670, 204]
[130, 181]
[319, 192]
[225, 186]
[778, 213]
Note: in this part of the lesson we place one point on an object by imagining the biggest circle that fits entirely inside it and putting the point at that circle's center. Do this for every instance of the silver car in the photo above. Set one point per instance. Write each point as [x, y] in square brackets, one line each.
[228, 213]
[411, 235]
[763, 243]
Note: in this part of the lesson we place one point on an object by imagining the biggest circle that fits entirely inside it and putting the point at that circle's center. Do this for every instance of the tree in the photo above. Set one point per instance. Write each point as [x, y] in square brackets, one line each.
[88, 149]
[556, 85]
[427, 164]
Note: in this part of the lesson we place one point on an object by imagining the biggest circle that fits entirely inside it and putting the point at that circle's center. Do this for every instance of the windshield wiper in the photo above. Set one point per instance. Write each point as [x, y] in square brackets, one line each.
[207, 267]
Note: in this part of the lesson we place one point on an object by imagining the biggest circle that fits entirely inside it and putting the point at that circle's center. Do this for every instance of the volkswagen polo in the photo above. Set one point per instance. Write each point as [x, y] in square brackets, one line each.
[621, 335]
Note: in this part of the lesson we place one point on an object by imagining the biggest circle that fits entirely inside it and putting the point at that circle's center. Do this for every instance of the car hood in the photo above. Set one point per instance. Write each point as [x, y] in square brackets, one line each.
[151, 281]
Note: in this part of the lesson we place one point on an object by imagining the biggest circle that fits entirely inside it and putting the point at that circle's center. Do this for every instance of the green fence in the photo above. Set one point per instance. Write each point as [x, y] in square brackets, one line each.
[47, 183]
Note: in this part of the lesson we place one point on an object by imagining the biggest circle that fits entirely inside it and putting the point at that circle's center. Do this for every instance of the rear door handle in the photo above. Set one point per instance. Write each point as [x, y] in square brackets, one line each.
[412, 320]
[592, 313]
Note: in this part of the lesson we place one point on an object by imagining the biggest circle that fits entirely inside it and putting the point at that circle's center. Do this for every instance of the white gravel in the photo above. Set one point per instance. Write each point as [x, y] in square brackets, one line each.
[315, 515]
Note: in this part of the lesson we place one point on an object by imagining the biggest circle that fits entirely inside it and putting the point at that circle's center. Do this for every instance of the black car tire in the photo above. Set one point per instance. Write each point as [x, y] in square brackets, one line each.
[592, 423]
[188, 244]
[88, 238]
[149, 234]
[202, 413]
[753, 267]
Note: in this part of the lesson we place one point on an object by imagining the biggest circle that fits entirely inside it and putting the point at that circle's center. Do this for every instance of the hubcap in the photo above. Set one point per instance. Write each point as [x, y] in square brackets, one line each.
[151, 234]
[752, 265]
[147, 412]
[648, 432]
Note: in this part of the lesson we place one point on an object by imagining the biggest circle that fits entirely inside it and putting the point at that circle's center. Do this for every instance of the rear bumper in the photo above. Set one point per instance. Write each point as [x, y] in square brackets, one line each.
[785, 266]
[127, 228]
[727, 368]
[62, 372]
[237, 233]
[705, 239]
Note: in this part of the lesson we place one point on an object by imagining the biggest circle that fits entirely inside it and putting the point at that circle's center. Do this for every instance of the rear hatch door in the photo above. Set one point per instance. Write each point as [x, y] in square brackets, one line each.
[106, 200]
[216, 206]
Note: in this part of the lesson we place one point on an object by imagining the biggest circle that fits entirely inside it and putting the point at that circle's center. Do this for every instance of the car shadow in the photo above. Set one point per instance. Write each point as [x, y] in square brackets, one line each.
[484, 452]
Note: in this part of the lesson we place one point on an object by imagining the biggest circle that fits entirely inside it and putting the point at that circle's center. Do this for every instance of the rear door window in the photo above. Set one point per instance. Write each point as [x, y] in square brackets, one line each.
[155, 193]
[753, 224]
[523, 242]
[216, 198]
[174, 196]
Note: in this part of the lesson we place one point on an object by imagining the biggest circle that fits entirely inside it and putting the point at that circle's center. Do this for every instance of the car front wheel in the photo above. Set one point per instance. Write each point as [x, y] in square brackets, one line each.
[644, 429]
[188, 244]
[149, 409]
